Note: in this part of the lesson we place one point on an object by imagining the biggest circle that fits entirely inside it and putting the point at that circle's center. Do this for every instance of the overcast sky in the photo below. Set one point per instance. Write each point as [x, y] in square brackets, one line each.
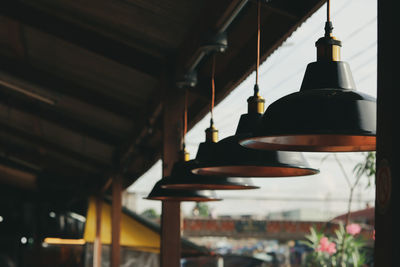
[355, 24]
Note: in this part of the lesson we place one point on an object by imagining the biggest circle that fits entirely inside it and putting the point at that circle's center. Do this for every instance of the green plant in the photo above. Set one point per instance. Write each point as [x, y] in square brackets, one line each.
[201, 210]
[366, 167]
[150, 214]
[343, 249]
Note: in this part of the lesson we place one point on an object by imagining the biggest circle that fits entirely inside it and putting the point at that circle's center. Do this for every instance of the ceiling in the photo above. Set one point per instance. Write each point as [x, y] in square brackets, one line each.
[82, 82]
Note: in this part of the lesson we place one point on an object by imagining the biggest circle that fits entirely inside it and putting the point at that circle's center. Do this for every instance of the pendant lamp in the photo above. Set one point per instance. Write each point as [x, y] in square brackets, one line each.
[229, 158]
[160, 193]
[166, 194]
[327, 115]
[183, 178]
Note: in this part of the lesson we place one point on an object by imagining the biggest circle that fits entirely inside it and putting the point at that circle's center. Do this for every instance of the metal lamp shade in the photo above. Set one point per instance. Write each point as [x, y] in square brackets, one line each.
[159, 193]
[229, 158]
[183, 178]
[327, 115]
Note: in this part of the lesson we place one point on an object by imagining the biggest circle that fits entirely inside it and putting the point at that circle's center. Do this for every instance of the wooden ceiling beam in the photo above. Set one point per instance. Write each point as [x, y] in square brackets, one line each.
[280, 11]
[83, 37]
[24, 71]
[64, 120]
[17, 177]
[45, 145]
[30, 75]
[26, 153]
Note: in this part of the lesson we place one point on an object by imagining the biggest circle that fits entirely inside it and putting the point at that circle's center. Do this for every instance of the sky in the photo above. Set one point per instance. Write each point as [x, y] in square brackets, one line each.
[355, 24]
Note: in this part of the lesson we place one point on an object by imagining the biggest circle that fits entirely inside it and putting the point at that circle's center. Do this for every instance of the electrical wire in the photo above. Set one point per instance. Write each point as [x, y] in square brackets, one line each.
[185, 108]
[328, 10]
[212, 91]
[258, 42]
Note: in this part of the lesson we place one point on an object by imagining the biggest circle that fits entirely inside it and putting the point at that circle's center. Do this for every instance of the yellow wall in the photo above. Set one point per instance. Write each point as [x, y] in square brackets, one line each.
[133, 233]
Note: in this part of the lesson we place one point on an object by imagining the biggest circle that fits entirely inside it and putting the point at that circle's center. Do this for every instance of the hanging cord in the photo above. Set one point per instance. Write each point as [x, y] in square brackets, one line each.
[255, 103]
[328, 10]
[185, 120]
[328, 24]
[256, 88]
[211, 132]
[258, 38]
[212, 91]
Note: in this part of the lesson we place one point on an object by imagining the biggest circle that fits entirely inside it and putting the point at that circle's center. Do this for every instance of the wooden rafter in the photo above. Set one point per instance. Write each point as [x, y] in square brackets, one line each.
[46, 145]
[85, 38]
[47, 113]
[25, 71]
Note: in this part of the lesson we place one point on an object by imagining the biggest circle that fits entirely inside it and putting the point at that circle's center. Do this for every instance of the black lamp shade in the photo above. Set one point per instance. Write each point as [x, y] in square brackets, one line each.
[159, 193]
[327, 115]
[229, 158]
[183, 178]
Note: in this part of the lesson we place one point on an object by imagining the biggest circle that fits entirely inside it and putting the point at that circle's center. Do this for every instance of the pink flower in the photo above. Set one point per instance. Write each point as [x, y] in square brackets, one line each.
[326, 246]
[331, 248]
[353, 229]
[324, 242]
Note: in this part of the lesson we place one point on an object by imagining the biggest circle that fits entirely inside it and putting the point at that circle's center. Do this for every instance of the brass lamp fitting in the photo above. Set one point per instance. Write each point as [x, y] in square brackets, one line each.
[184, 155]
[211, 134]
[328, 47]
[255, 104]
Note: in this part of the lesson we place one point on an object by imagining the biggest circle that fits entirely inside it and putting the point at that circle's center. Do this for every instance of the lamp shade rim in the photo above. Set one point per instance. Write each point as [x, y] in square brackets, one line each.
[216, 184]
[317, 142]
[254, 171]
[159, 193]
[183, 178]
[199, 186]
[229, 158]
[185, 199]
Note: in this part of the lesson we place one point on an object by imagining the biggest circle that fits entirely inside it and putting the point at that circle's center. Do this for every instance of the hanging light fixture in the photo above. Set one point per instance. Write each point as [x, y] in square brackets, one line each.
[159, 192]
[183, 178]
[229, 158]
[327, 115]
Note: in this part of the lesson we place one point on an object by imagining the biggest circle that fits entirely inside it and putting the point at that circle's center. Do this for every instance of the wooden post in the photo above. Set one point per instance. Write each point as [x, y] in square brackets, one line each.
[97, 242]
[116, 210]
[170, 219]
[388, 160]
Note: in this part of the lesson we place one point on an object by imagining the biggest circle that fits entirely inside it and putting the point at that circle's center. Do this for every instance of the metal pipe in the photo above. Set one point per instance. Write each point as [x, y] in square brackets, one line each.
[196, 62]
[223, 28]
[232, 17]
